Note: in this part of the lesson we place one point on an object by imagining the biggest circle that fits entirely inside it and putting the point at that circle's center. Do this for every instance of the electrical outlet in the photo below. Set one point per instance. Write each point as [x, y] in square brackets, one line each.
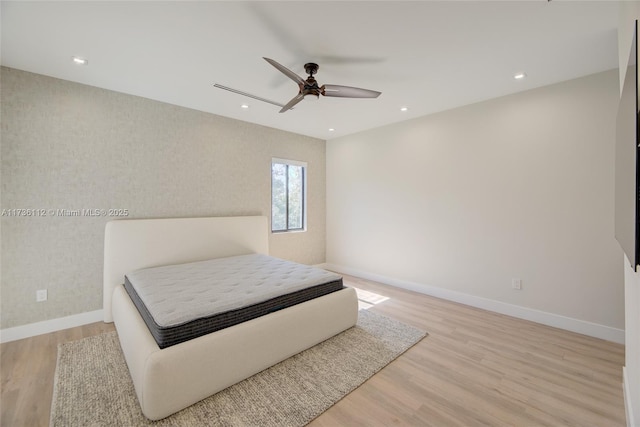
[41, 295]
[516, 284]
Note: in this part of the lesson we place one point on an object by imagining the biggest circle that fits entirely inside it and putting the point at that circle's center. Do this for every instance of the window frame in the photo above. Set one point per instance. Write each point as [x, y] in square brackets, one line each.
[304, 167]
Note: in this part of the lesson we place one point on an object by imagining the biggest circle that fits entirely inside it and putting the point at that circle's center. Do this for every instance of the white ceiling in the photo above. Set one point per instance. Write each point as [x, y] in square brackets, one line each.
[428, 56]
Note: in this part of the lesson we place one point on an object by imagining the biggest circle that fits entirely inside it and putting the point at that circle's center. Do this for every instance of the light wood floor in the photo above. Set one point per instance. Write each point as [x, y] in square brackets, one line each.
[475, 368]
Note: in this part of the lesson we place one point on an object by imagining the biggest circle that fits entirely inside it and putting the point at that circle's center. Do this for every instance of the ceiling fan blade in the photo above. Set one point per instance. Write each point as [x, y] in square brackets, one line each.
[287, 72]
[348, 92]
[299, 97]
[239, 92]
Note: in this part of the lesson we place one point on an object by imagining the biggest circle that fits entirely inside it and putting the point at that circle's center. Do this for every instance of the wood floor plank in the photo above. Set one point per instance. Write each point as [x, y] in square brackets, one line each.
[27, 369]
[482, 368]
[476, 368]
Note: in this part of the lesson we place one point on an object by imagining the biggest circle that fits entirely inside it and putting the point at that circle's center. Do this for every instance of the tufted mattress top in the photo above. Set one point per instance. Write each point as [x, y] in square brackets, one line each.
[180, 302]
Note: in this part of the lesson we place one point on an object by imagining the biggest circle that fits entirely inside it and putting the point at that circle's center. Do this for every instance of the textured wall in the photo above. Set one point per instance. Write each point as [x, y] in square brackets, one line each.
[70, 146]
[465, 200]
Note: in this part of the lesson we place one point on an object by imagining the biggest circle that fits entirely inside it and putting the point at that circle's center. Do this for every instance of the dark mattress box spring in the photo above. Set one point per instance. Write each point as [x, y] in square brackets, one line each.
[182, 302]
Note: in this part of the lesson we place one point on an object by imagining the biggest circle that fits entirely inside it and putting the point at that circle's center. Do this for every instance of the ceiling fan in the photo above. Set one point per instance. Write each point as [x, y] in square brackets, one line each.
[309, 88]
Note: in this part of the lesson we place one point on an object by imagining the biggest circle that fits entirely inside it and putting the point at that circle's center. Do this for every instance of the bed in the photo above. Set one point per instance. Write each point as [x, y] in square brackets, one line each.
[170, 379]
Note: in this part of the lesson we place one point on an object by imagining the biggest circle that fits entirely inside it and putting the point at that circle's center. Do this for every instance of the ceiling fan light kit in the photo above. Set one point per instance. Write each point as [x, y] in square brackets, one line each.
[309, 89]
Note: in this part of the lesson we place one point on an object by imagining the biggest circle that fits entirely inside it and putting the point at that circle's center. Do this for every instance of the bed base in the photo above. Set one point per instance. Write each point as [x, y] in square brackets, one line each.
[168, 380]
[171, 379]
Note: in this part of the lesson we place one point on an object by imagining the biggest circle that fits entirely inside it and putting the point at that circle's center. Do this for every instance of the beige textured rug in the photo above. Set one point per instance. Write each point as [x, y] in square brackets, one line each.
[93, 388]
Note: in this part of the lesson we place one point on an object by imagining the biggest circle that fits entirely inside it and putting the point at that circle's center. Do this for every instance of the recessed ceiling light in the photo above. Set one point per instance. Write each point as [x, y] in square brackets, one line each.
[519, 76]
[404, 109]
[79, 61]
[331, 129]
[245, 106]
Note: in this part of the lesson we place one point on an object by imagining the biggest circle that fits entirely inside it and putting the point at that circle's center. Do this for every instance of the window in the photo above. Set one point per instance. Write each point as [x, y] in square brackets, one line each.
[288, 195]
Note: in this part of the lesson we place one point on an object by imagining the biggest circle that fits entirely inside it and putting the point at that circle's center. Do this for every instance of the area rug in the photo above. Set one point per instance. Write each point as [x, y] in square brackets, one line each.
[93, 388]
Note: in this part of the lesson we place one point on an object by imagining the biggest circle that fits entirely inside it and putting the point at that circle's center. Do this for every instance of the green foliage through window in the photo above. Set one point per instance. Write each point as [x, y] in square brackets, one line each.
[287, 196]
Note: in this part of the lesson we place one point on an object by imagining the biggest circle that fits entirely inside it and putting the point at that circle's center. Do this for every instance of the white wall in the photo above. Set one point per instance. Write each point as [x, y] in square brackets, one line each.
[629, 12]
[458, 203]
[632, 344]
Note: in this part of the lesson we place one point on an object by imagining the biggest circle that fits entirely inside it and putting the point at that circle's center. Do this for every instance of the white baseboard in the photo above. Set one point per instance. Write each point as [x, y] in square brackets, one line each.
[545, 318]
[46, 326]
[550, 319]
[627, 399]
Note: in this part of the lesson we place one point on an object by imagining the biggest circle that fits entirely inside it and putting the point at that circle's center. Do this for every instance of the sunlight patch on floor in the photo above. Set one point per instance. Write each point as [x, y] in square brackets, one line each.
[367, 299]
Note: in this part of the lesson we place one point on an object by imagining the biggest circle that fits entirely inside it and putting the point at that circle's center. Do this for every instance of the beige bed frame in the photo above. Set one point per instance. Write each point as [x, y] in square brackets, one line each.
[173, 378]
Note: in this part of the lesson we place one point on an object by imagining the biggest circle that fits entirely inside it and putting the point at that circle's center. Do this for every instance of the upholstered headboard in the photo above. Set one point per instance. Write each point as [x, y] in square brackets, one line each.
[140, 243]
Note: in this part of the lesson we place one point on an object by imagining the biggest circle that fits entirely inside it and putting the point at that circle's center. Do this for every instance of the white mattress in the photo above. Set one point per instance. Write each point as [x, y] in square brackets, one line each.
[176, 294]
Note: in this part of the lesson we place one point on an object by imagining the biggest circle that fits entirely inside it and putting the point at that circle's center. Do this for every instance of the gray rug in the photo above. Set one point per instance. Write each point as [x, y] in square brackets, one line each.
[93, 387]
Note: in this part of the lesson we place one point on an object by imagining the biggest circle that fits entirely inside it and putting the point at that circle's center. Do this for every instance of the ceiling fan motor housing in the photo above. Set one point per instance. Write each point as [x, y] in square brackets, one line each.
[310, 89]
